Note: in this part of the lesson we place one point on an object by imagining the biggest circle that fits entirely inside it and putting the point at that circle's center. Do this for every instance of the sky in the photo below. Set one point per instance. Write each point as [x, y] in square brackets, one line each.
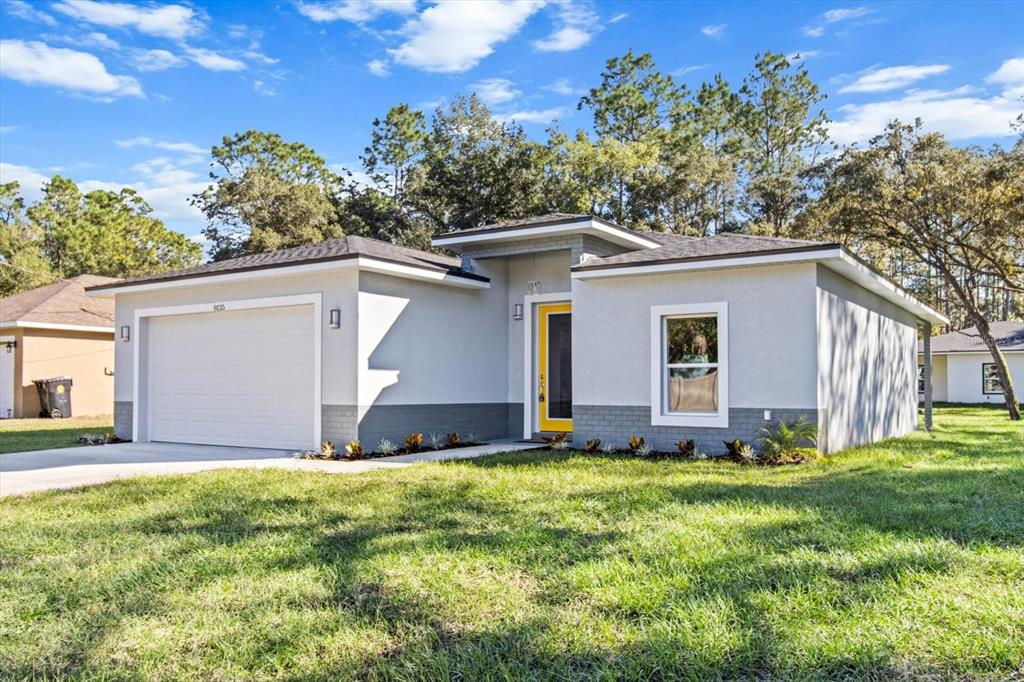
[114, 94]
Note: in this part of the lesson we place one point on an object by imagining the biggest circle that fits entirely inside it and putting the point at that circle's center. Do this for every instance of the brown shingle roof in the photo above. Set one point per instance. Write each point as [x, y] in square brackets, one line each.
[63, 302]
[677, 248]
[1008, 335]
[341, 248]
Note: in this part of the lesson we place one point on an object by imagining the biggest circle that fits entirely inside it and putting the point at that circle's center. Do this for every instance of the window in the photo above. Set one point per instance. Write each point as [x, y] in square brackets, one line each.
[920, 379]
[689, 365]
[990, 383]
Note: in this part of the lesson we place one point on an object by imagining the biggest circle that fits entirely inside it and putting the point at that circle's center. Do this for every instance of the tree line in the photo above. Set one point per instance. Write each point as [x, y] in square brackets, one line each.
[944, 222]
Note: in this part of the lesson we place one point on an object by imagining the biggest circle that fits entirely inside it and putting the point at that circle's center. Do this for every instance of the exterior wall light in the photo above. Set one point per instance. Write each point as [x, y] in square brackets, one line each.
[335, 320]
[11, 345]
[517, 311]
[126, 333]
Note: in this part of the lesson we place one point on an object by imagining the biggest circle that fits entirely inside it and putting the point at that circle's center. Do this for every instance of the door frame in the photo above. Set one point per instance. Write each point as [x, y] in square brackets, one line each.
[141, 314]
[530, 301]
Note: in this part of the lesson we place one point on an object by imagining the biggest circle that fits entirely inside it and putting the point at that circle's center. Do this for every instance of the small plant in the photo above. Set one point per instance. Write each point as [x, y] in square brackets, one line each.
[608, 449]
[413, 442]
[111, 437]
[560, 437]
[454, 440]
[699, 454]
[307, 454]
[643, 450]
[782, 440]
[328, 451]
[558, 445]
[635, 443]
[732, 449]
[354, 450]
[593, 445]
[386, 447]
[471, 439]
[745, 454]
[686, 448]
[436, 441]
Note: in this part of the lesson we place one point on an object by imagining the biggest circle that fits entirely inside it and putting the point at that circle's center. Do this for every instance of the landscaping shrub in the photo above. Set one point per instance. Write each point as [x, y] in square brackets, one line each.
[354, 450]
[413, 442]
[593, 445]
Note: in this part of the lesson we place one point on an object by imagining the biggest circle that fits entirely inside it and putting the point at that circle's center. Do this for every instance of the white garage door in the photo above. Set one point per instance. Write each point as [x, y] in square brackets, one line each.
[240, 377]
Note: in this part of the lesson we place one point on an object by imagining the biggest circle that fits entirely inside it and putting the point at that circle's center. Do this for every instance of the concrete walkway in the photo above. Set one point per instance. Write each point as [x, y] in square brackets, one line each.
[25, 472]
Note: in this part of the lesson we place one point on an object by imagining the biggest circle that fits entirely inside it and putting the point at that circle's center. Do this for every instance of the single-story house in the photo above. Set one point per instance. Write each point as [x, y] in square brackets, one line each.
[561, 323]
[963, 371]
[52, 331]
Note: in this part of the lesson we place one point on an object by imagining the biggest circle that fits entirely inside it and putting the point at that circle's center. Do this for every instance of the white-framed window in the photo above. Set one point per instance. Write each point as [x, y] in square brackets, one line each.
[690, 364]
[990, 383]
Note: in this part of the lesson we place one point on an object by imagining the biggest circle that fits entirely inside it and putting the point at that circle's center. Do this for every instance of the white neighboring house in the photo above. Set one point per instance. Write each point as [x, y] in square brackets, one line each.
[559, 323]
[962, 367]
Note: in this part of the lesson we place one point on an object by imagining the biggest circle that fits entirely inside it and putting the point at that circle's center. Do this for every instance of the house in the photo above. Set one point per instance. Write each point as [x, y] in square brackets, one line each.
[54, 331]
[556, 323]
[963, 368]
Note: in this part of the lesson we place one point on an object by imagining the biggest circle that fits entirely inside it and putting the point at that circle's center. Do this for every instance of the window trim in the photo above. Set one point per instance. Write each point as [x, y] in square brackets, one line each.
[659, 416]
[983, 391]
[920, 379]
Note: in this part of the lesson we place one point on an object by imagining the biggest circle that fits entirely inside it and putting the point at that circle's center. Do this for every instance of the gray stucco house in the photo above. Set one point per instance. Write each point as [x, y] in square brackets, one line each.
[556, 323]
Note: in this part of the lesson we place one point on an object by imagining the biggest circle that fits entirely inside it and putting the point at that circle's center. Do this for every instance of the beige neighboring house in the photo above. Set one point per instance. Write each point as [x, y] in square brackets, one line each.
[54, 331]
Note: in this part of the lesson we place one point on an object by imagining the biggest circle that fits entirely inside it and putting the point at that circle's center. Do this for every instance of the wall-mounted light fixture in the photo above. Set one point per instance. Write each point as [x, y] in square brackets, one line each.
[11, 345]
[517, 311]
[335, 318]
[126, 333]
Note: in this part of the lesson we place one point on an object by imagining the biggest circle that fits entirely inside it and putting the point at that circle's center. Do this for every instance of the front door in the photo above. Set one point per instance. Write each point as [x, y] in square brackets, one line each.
[554, 367]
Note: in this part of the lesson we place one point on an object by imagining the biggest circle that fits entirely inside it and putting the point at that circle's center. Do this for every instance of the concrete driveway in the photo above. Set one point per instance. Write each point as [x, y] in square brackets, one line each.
[25, 472]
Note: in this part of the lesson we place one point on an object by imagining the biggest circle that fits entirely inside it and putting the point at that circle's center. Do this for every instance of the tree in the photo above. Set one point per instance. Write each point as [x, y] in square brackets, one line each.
[956, 211]
[783, 136]
[267, 194]
[396, 146]
[22, 265]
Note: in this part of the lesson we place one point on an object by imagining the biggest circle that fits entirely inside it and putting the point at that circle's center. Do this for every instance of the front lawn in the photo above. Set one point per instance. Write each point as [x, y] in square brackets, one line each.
[17, 435]
[902, 560]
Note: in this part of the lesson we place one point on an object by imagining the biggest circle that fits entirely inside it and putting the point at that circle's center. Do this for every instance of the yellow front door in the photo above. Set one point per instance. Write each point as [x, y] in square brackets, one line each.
[554, 367]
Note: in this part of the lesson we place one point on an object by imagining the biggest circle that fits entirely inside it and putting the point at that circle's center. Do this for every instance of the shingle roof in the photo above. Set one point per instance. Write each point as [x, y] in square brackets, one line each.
[1008, 335]
[679, 248]
[63, 302]
[534, 221]
[341, 248]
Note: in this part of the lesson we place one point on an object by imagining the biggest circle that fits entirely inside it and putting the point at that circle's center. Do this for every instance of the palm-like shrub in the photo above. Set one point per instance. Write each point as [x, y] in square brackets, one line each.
[782, 440]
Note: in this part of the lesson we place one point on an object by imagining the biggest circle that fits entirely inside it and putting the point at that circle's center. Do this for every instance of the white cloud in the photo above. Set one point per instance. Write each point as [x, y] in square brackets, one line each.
[155, 60]
[715, 31]
[30, 181]
[182, 147]
[535, 116]
[263, 89]
[9, 129]
[617, 18]
[165, 21]
[356, 11]
[378, 67]
[814, 31]
[208, 59]
[563, 40]
[893, 77]
[23, 10]
[1010, 72]
[93, 39]
[453, 37]
[577, 25]
[37, 63]
[495, 91]
[562, 86]
[960, 114]
[842, 14]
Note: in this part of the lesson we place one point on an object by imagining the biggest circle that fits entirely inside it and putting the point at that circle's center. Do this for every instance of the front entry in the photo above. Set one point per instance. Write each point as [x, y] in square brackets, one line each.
[554, 367]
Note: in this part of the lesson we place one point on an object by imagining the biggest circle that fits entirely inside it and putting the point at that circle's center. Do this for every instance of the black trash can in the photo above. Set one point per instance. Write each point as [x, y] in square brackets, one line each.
[54, 397]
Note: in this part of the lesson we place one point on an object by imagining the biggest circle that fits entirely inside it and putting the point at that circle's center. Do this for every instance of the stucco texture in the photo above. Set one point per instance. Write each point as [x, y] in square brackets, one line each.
[83, 356]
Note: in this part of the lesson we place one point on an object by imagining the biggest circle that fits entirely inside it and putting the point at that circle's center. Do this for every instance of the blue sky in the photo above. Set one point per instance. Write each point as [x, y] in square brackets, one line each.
[113, 94]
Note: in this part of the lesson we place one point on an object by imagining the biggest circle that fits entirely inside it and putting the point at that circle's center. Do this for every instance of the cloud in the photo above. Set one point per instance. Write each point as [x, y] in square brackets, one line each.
[93, 39]
[9, 129]
[165, 21]
[23, 10]
[454, 37]
[893, 77]
[356, 11]
[577, 25]
[30, 181]
[378, 67]
[494, 91]
[617, 18]
[715, 31]
[208, 59]
[1010, 72]
[960, 114]
[36, 63]
[562, 86]
[536, 116]
[182, 147]
[155, 60]
[801, 55]
[263, 89]
[814, 31]
[842, 14]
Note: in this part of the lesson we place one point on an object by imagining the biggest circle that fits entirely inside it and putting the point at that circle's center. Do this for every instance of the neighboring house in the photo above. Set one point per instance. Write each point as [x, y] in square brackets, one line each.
[557, 323]
[55, 331]
[963, 371]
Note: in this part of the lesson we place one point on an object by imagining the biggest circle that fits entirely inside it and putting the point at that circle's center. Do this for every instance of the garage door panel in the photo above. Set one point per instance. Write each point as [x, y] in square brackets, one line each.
[233, 378]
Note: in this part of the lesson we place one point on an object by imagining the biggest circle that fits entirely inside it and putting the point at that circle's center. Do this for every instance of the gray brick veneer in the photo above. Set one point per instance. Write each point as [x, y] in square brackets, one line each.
[123, 419]
[339, 423]
[614, 424]
[395, 422]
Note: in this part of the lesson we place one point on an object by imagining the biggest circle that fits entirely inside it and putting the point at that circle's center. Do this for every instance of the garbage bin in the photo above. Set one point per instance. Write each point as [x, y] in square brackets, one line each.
[54, 397]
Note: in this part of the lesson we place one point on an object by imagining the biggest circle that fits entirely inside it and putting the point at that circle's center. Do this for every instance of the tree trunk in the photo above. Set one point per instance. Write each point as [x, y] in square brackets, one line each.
[1009, 395]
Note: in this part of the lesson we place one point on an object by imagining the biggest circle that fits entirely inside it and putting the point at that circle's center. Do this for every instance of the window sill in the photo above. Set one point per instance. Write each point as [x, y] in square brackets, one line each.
[714, 421]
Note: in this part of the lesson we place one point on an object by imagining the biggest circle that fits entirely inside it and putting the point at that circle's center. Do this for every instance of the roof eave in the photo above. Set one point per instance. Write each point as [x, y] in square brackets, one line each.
[596, 227]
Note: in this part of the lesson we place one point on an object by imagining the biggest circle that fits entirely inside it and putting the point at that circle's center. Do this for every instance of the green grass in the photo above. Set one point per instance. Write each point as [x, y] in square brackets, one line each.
[905, 559]
[18, 435]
